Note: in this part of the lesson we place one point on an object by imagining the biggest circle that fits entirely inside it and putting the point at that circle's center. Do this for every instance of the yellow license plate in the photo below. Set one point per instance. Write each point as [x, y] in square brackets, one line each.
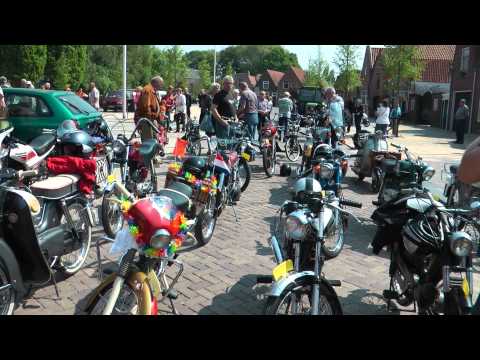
[111, 178]
[466, 288]
[281, 270]
[246, 156]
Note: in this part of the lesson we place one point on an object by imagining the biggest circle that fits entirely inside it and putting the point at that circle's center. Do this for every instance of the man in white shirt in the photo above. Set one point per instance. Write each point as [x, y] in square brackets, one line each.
[94, 96]
[383, 117]
[180, 109]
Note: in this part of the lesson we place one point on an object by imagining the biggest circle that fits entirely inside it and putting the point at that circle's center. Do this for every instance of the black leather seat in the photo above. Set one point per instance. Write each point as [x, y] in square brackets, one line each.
[179, 200]
[148, 149]
[453, 169]
[42, 143]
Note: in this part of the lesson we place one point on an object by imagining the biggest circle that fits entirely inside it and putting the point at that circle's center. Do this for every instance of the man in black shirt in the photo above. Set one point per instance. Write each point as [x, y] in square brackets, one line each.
[188, 98]
[203, 104]
[222, 107]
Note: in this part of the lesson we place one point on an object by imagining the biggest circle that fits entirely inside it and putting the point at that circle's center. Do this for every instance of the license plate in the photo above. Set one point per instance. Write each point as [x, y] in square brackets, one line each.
[246, 156]
[282, 270]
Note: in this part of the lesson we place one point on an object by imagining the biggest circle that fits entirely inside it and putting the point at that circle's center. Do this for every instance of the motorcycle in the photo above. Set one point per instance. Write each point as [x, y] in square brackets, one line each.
[299, 287]
[293, 148]
[192, 135]
[430, 253]
[48, 227]
[269, 149]
[402, 174]
[158, 227]
[373, 148]
[137, 174]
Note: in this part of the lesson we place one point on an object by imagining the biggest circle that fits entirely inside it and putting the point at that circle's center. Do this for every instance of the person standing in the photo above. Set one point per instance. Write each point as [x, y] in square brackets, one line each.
[3, 105]
[47, 86]
[285, 108]
[395, 115]
[383, 117]
[202, 103]
[180, 109]
[94, 96]
[357, 118]
[247, 109]
[23, 83]
[223, 108]
[335, 111]
[461, 120]
[149, 107]
[82, 94]
[263, 112]
[236, 99]
[214, 89]
[170, 103]
[188, 99]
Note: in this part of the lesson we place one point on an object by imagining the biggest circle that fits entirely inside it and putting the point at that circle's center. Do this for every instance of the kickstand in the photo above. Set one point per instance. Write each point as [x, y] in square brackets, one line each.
[53, 277]
[174, 309]
[234, 213]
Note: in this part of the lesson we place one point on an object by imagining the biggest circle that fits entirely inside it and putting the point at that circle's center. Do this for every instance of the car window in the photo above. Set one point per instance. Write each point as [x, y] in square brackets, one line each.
[76, 104]
[26, 106]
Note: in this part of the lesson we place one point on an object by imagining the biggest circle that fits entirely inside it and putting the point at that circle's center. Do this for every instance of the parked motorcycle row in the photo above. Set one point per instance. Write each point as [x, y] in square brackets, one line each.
[47, 189]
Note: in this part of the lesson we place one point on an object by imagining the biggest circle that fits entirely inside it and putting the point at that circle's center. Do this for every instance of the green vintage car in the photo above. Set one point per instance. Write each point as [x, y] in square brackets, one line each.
[31, 110]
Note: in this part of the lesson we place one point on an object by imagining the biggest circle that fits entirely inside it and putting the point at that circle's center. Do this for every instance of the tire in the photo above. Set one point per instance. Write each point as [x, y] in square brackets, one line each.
[203, 236]
[96, 307]
[404, 300]
[337, 234]
[272, 307]
[7, 297]
[243, 163]
[376, 179]
[112, 218]
[292, 149]
[268, 162]
[80, 219]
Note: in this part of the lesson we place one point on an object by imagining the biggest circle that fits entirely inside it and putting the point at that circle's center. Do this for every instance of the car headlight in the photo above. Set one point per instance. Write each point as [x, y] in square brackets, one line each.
[461, 243]
[428, 173]
[326, 171]
[118, 147]
[160, 239]
[295, 228]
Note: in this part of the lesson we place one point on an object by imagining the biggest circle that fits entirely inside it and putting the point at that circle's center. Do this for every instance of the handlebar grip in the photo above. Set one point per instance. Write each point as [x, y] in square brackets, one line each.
[351, 203]
[27, 173]
[396, 146]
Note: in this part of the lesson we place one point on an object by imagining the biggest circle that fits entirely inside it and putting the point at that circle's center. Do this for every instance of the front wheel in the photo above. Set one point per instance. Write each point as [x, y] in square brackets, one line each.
[127, 302]
[206, 222]
[244, 174]
[455, 303]
[301, 291]
[112, 217]
[293, 149]
[75, 257]
[268, 161]
[7, 293]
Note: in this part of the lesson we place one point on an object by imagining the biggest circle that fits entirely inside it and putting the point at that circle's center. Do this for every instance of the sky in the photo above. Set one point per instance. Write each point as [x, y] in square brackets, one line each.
[304, 52]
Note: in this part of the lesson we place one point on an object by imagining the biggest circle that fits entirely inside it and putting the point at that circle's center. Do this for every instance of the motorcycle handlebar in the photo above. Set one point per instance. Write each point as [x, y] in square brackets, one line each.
[27, 173]
[351, 203]
[141, 120]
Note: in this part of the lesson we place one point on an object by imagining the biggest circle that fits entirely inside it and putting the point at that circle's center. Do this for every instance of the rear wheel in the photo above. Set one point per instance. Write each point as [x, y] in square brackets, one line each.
[7, 293]
[268, 161]
[282, 305]
[75, 259]
[112, 217]
[206, 222]
[244, 174]
[293, 149]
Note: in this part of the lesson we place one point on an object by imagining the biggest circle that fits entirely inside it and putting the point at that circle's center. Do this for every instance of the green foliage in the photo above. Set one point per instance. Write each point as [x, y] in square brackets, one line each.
[66, 64]
[175, 68]
[319, 74]
[23, 61]
[401, 64]
[346, 60]
[205, 70]
[195, 57]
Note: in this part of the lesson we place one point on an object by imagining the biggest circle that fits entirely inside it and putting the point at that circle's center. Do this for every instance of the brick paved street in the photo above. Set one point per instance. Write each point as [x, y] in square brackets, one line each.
[219, 278]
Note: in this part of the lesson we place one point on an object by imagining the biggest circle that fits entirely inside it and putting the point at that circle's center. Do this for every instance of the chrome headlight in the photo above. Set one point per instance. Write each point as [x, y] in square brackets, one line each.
[296, 225]
[428, 173]
[160, 239]
[461, 243]
[118, 147]
[326, 171]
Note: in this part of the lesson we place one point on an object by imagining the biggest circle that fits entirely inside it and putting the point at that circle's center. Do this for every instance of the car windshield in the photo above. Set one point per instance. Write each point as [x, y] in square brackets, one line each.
[76, 104]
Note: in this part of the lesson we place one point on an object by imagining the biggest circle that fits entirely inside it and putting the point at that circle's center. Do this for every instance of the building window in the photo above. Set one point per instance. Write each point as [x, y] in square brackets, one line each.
[465, 60]
[286, 85]
[265, 85]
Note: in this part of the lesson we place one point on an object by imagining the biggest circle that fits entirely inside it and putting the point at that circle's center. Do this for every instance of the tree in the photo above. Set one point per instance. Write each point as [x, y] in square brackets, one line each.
[228, 70]
[401, 63]
[105, 67]
[346, 60]
[66, 64]
[319, 73]
[195, 57]
[175, 67]
[23, 61]
[205, 71]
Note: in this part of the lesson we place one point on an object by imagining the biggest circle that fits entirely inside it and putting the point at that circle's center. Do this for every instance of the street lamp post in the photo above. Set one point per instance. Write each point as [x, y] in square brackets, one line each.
[124, 82]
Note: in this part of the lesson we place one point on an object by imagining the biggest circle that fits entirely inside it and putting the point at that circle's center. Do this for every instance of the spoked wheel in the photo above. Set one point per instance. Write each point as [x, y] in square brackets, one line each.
[127, 302]
[7, 293]
[74, 260]
[112, 217]
[334, 237]
[206, 223]
[301, 296]
[244, 174]
[268, 154]
[293, 149]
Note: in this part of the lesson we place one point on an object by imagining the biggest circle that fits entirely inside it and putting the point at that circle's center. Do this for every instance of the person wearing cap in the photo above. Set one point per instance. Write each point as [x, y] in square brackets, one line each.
[461, 119]
[285, 107]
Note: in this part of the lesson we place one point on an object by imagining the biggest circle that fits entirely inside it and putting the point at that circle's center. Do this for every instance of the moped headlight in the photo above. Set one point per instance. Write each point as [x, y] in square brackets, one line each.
[294, 228]
[428, 173]
[461, 243]
[160, 239]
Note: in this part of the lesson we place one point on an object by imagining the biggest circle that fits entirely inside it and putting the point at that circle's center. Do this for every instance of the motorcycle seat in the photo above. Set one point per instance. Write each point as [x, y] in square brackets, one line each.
[56, 187]
[147, 149]
[453, 169]
[42, 143]
[180, 194]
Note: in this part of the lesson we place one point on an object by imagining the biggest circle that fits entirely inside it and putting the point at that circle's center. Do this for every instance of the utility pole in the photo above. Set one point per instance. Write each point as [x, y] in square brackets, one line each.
[124, 82]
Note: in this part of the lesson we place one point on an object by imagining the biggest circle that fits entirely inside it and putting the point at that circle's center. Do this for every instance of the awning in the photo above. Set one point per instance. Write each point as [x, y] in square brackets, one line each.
[420, 88]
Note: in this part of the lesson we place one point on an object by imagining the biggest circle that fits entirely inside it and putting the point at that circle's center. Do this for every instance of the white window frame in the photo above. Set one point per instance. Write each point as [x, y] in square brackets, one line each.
[286, 85]
[267, 83]
[465, 59]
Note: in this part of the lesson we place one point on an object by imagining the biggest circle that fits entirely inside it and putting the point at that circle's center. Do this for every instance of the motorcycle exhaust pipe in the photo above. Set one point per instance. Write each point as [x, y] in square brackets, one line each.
[276, 249]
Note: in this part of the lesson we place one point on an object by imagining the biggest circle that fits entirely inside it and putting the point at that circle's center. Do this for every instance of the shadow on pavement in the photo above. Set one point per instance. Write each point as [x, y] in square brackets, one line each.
[245, 297]
[364, 302]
